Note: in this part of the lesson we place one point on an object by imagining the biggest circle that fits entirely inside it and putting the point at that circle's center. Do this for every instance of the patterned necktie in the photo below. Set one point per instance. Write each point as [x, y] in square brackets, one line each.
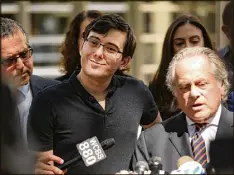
[198, 146]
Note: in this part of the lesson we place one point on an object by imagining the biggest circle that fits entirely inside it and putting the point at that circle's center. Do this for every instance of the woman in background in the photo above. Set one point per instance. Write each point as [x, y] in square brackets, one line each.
[70, 47]
[185, 31]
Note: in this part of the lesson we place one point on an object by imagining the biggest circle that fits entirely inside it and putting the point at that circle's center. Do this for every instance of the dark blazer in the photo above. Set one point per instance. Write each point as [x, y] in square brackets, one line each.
[38, 83]
[14, 157]
[170, 140]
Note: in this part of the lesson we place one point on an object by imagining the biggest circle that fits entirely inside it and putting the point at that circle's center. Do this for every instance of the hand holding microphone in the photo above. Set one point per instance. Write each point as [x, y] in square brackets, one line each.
[91, 151]
[44, 167]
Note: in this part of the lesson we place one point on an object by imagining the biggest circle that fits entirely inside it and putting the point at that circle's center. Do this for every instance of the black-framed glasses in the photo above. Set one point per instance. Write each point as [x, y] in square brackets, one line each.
[109, 49]
[24, 55]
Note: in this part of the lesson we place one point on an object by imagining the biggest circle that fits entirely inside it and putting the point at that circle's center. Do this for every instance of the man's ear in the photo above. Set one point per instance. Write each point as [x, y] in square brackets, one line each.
[222, 89]
[81, 44]
[124, 62]
[226, 30]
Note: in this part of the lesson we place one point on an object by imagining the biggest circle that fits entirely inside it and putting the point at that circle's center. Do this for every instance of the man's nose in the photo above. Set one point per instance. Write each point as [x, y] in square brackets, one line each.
[19, 63]
[99, 51]
[195, 92]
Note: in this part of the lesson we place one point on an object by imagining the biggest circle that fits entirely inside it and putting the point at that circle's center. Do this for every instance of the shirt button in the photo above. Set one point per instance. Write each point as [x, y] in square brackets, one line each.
[90, 98]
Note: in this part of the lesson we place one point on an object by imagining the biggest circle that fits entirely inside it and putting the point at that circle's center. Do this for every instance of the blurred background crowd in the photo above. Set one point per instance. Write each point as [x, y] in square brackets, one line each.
[46, 23]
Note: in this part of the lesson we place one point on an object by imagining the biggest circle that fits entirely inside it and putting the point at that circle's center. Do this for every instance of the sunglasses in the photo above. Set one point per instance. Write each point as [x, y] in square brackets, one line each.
[25, 55]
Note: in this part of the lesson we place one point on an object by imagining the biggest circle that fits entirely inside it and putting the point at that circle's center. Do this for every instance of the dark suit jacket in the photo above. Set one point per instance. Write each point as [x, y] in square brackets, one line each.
[15, 157]
[170, 140]
[38, 83]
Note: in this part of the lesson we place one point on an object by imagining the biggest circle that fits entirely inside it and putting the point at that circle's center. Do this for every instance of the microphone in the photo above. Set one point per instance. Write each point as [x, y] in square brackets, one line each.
[91, 151]
[141, 167]
[210, 169]
[186, 165]
[155, 165]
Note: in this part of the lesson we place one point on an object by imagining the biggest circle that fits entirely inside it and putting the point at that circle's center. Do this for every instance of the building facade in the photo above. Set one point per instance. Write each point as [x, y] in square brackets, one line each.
[46, 23]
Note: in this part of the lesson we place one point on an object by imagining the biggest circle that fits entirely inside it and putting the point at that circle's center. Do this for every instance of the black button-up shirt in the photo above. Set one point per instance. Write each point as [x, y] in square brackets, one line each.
[66, 114]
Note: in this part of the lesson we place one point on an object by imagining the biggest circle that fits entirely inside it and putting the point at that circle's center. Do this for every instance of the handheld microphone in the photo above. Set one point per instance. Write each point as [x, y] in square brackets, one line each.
[141, 167]
[186, 165]
[155, 165]
[210, 169]
[91, 151]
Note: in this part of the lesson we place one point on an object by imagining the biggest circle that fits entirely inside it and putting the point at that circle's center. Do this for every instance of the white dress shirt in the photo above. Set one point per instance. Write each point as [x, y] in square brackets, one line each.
[209, 132]
[23, 107]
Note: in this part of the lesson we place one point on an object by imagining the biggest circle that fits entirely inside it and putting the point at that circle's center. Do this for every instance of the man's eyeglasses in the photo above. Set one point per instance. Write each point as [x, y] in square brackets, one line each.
[109, 49]
[25, 55]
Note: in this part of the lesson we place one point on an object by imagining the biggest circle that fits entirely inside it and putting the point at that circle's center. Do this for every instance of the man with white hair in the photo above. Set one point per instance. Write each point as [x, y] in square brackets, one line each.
[198, 79]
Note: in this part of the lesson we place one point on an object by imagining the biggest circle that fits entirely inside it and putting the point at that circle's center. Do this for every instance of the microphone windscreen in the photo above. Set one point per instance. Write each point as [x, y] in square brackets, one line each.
[156, 159]
[186, 165]
[183, 160]
[143, 164]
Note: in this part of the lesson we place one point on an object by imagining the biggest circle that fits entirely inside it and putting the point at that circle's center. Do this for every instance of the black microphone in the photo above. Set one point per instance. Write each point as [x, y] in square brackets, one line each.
[141, 167]
[210, 169]
[93, 145]
[155, 165]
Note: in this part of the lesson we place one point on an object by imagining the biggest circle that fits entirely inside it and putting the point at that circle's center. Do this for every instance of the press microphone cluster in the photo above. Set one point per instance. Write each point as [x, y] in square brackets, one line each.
[185, 165]
[154, 167]
[90, 151]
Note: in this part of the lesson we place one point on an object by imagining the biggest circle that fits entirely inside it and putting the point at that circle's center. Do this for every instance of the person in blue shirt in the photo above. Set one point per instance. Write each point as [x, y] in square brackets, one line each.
[230, 101]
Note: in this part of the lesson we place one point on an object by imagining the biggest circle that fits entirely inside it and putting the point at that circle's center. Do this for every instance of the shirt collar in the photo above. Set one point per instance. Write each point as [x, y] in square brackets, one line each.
[24, 89]
[74, 81]
[212, 121]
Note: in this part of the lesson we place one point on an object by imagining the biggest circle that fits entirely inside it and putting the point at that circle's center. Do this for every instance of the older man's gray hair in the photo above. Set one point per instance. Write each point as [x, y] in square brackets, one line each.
[9, 27]
[219, 68]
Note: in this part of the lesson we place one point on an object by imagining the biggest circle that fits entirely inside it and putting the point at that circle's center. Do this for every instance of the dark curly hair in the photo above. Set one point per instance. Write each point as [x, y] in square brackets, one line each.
[69, 49]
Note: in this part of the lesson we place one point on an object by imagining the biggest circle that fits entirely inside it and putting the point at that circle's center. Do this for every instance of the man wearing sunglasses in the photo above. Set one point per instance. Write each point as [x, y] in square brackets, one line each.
[17, 67]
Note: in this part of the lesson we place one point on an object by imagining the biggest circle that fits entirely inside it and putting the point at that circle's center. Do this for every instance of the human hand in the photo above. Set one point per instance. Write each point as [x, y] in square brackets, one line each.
[45, 165]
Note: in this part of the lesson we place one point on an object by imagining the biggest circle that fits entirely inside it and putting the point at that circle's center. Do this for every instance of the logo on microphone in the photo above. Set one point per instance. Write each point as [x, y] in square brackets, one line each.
[91, 151]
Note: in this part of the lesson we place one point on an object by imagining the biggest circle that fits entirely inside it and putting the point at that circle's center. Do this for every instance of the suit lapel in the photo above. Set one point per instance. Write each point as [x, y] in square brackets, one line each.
[225, 127]
[179, 137]
[35, 88]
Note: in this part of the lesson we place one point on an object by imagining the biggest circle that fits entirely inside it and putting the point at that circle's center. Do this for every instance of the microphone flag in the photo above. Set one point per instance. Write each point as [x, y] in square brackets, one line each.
[91, 151]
